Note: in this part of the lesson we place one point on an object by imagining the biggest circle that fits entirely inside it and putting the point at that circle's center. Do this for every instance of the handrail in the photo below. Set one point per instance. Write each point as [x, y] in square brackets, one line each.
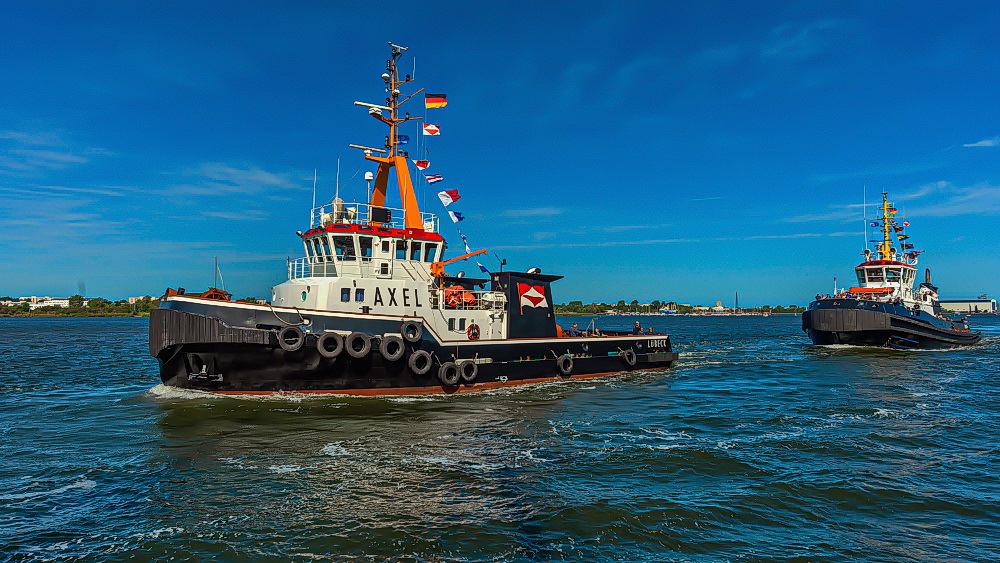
[357, 213]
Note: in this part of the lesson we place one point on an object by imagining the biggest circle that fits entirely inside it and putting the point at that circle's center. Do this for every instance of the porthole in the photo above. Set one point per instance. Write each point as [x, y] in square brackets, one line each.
[304, 295]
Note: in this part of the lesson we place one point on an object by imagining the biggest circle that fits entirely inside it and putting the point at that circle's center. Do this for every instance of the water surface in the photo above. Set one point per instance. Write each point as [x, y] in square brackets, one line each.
[757, 446]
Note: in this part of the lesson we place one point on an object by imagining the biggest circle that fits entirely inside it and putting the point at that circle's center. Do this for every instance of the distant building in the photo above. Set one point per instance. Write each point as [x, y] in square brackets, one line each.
[134, 300]
[969, 305]
[35, 302]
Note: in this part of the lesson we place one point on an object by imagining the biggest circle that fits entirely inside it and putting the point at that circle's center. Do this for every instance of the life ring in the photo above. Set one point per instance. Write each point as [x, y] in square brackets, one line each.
[565, 364]
[449, 374]
[472, 332]
[391, 347]
[291, 338]
[411, 331]
[358, 344]
[469, 370]
[325, 340]
[628, 356]
[420, 362]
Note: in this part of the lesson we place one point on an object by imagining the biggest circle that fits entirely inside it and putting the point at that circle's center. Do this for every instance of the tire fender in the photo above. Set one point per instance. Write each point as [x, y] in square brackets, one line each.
[291, 338]
[328, 339]
[358, 344]
[420, 362]
[391, 347]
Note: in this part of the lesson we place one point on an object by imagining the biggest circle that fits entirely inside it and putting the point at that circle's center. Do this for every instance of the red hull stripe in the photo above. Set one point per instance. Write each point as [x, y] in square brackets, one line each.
[430, 390]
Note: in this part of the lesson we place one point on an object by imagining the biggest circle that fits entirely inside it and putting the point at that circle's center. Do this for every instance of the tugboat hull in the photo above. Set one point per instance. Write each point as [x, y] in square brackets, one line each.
[209, 350]
[870, 323]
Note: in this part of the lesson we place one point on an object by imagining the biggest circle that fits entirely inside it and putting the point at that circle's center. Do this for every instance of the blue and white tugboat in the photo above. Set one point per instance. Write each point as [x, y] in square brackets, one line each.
[886, 308]
[370, 309]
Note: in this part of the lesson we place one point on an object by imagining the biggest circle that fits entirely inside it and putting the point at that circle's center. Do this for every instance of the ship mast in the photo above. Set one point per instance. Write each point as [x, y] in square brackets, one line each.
[394, 158]
[885, 248]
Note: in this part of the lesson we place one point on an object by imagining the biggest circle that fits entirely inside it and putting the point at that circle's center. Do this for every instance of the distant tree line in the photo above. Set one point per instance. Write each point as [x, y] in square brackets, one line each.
[633, 307]
[79, 307]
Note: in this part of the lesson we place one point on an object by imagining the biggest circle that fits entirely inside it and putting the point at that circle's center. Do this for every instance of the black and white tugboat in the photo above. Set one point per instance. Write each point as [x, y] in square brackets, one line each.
[885, 308]
[370, 309]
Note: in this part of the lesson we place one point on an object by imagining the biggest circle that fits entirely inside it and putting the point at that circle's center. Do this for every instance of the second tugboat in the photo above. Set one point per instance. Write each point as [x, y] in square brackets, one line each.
[884, 309]
[370, 310]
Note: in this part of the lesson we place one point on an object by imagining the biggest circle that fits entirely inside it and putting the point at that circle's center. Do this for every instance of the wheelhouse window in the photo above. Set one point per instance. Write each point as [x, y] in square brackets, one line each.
[875, 275]
[365, 244]
[400, 250]
[345, 248]
[893, 275]
[326, 249]
[861, 275]
[317, 249]
[385, 247]
[414, 250]
[430, 251]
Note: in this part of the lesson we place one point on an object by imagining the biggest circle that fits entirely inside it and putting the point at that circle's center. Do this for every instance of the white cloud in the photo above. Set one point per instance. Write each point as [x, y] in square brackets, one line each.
[994, 142]
[533, 212]
[213, 178]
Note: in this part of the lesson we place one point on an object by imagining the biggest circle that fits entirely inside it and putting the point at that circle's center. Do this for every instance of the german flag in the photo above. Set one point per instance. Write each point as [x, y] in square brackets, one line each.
[435, 101]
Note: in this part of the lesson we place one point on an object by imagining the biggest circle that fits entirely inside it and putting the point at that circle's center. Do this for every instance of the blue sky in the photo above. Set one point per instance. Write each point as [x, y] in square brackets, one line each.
[646, 150]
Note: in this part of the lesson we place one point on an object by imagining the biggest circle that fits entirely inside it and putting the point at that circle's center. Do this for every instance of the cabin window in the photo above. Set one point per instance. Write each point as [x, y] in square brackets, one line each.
[429, 252]
[345, 294]
[400, 250]
[365, 243]
[359, 295]
[461, 324]
[861, 275]
[414, 250]
[326, 249]
[317, 250]
[875, 275]
[345, 248]
[385, 247]
[892, 275]
[383, 269]
[451, 324]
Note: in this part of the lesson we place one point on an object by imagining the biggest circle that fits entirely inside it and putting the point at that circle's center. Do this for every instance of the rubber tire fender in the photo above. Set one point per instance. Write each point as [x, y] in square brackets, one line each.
[300, 338]
[628, 356]
[415, 359]
[449, 374]
[387, 344]
[565, 364]
[469, 370]
[326, 337]
[412, 331]
[366, 344]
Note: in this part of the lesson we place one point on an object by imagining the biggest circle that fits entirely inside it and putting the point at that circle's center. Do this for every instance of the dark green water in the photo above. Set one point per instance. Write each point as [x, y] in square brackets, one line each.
[755, 447]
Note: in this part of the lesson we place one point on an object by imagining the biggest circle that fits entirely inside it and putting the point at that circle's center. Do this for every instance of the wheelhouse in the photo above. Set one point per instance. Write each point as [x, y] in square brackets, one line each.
[882, 273]
[353, 244]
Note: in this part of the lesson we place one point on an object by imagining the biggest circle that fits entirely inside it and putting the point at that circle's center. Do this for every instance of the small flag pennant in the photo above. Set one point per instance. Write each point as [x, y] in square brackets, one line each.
[422, 164]
[431, 129]
[906, 223]
[435, 101]
[455, 216]
[485, 271]
[465, 241]
[402, 139]
[983, 296]
[448, 197]
[874, 224]
[433, 178]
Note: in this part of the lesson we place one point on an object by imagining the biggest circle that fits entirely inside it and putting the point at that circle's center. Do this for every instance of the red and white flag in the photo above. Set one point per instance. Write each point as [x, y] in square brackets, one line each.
[531, 295]
[422, 164]
[431, 129]
[449, 196]
[434, 178]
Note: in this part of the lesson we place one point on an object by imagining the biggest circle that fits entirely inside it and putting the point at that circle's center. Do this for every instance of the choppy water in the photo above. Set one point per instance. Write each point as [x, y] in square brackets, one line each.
[755, 447]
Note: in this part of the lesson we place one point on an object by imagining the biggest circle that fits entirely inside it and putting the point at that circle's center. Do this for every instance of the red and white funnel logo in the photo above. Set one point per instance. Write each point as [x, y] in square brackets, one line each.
[531, 295]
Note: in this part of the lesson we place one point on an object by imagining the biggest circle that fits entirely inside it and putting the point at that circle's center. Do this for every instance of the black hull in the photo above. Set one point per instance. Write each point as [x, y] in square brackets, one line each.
[200, 351]
[869, 323]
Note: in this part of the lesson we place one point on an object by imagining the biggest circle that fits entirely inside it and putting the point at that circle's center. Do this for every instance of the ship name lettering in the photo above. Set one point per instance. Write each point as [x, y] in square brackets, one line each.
[378, 297]
[406, 297]
[657, 343]
[392, 296]
[416, 298]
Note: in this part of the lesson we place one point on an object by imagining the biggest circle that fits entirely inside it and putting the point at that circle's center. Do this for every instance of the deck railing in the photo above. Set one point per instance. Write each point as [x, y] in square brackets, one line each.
[355, 213]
